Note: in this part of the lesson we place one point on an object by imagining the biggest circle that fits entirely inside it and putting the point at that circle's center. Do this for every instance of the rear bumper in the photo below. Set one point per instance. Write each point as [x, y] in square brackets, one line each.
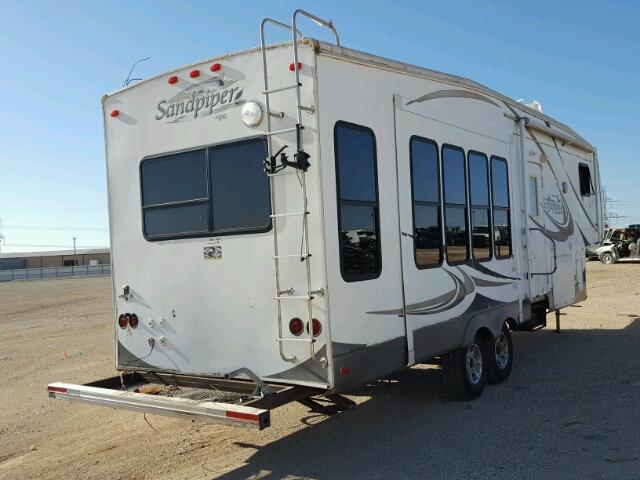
[205, 411]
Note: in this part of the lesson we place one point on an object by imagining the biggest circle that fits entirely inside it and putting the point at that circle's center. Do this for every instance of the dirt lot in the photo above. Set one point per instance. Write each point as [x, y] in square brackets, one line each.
[571, 408]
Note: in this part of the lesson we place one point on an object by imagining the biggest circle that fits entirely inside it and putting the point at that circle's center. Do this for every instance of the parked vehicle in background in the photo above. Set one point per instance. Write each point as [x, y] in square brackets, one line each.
[617, 244]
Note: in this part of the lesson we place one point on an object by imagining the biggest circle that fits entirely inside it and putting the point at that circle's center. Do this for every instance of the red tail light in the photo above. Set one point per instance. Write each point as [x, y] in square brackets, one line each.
[115, 113]
[215, 67]
[133, 320]
[292, 66]
[122, 320]
[316, 326]
[296, 326]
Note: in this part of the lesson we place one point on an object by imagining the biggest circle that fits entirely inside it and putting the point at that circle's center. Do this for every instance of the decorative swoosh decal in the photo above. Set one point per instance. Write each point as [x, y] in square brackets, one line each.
[453, 94]
[441, 303]
[482, 269]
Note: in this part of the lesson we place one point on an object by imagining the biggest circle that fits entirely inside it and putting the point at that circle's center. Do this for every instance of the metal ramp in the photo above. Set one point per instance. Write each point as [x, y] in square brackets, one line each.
[299, 166]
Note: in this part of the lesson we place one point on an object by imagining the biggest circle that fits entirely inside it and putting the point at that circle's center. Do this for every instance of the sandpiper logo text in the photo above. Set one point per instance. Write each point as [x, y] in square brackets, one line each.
[196, 102]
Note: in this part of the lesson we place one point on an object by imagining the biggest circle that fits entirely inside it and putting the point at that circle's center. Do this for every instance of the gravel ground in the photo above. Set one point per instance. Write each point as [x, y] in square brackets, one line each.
[570, 410]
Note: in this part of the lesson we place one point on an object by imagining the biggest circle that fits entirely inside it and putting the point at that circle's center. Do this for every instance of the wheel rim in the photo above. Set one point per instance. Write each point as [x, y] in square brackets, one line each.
[606, 258]
[474, 363]
[502, 351]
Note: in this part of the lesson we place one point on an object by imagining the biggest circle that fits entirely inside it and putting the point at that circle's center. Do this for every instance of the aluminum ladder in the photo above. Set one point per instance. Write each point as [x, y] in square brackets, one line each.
[304, 255]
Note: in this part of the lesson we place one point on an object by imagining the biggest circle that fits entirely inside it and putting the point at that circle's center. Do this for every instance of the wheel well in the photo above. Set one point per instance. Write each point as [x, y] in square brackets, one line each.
[484, 333]
[511, 323]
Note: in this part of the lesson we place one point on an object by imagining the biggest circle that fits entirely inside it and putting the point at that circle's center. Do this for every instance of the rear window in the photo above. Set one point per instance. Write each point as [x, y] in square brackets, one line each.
[210, 191]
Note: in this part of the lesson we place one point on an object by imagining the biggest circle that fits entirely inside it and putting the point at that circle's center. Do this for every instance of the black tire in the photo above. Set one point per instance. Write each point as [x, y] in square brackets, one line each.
[499, 356]
[464, 383]
[607, 258]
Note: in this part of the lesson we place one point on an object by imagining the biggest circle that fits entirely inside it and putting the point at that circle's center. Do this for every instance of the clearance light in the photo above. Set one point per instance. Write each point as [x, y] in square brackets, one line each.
[215, 67]
[316, 327]
[296, 326]
[172, 80]
[133, 320]
[345, 370]
[194, 73]
[122, 321]
[292, 66]
[115, 113]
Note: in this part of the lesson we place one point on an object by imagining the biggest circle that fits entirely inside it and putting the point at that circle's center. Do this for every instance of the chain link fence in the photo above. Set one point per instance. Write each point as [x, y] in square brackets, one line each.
[54, 272]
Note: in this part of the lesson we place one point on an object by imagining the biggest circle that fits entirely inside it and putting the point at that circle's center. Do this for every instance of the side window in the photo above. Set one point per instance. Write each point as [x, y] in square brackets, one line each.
[480, 212]
[533, 196]
[175, 196]
[455, 204]
[425, 191]
[501, 209]
[358, 215]
[586, 187]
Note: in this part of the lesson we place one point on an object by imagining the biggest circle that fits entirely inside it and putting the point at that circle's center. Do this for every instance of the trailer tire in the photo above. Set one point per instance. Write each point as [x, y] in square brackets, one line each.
[607, 258]
[465, 372]
[500, 356]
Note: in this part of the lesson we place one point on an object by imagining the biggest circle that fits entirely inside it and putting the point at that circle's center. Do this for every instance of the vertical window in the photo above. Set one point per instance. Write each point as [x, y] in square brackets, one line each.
[586, 187]
[210, 191]
[358, 216]
[501, 216]
[480, 211]
[533, 196]
[425, 190]
[455, 204]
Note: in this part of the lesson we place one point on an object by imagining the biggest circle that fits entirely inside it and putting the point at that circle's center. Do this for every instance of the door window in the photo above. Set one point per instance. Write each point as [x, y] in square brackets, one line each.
[425, 189]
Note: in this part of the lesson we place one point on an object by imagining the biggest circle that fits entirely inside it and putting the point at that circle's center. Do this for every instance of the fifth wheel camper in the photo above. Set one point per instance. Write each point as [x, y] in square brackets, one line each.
[293, 221]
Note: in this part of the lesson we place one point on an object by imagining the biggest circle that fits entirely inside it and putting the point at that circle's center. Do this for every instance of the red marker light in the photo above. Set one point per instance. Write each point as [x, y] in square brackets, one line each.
[133, 320]
[292, 66]
[122, 321]
[316, 326]
[60, 390]
[296, 326]
[215, 67]
[115, 113]
[173, 80]
[345, 370]
[194, 73]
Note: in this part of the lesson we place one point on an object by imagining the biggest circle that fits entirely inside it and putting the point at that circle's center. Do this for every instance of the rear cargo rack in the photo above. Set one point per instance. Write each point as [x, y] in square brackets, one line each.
[207, 399]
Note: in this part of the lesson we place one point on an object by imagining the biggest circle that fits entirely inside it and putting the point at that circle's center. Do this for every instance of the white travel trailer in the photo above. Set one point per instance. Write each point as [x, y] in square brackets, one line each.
[300, 219]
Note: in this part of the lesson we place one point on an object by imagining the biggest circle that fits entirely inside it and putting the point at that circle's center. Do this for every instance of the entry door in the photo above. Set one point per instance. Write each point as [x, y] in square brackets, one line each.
[540, 245]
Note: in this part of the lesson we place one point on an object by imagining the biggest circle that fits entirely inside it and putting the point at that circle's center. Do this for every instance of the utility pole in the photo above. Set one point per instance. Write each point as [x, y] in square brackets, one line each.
[75, 257]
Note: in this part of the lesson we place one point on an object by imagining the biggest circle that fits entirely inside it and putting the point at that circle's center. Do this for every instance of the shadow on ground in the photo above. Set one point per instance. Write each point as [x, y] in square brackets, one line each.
[571, 409]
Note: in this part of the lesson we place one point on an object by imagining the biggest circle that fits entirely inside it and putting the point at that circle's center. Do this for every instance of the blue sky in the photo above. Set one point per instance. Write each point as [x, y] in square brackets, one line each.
[579, 59]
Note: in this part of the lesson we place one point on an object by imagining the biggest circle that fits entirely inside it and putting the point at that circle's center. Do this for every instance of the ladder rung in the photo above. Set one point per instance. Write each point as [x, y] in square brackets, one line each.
[289, 171]
[294, 297]
[306, 340]
[289, 214]
[278, 132]
[288, 87]
[293, 255]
